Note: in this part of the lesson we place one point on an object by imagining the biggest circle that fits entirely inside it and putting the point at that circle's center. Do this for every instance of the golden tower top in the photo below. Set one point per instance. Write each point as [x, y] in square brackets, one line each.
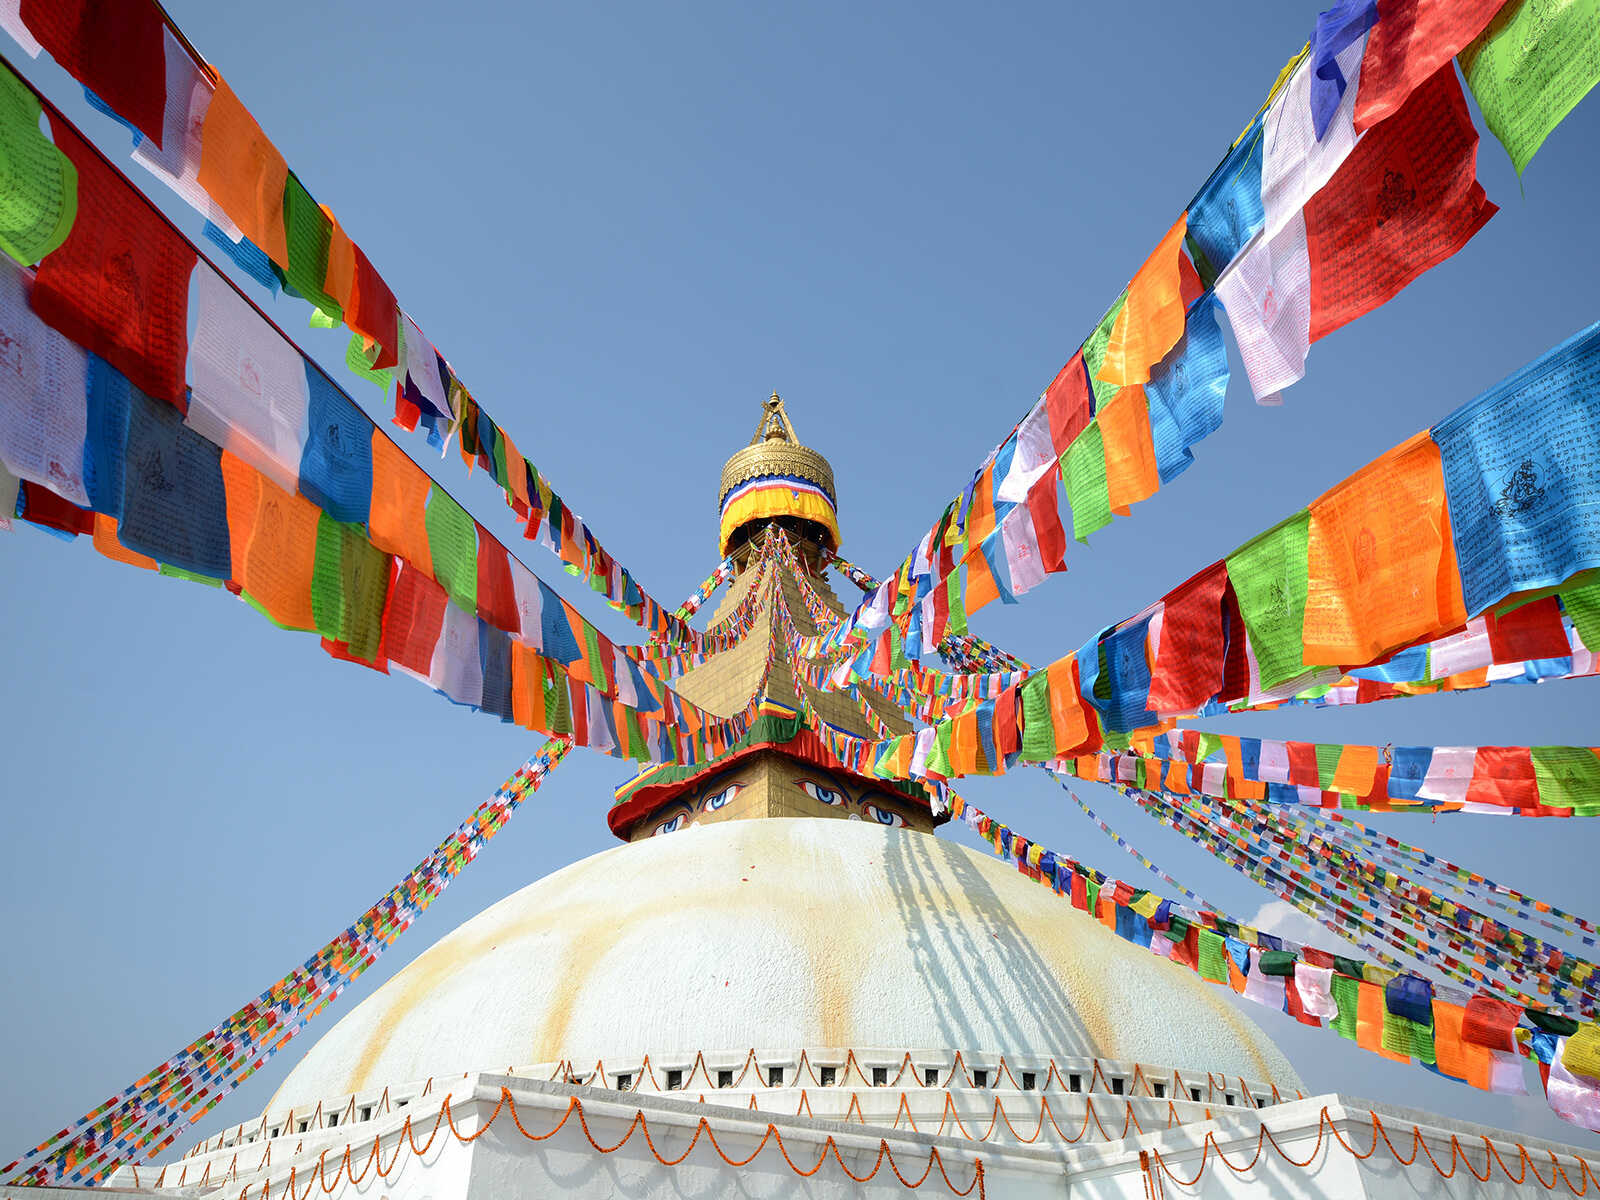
[776, 476]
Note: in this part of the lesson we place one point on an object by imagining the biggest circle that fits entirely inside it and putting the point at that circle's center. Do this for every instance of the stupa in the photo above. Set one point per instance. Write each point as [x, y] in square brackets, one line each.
[785, 982]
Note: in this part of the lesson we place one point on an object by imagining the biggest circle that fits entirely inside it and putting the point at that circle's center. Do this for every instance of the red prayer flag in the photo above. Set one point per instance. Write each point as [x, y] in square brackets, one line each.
[1503, 776]
[497, 598]
[1070, 403]
[115, 48]
[1406, 199]
[413, 619]
[1049, 534]
[43, 507]
[1412, 40]
[119, 285]
[1527, 632]
[1189, 662]
[1303, 770]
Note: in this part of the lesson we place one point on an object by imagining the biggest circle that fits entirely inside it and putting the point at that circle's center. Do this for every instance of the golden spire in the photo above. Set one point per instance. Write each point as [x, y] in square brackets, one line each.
[776, 451]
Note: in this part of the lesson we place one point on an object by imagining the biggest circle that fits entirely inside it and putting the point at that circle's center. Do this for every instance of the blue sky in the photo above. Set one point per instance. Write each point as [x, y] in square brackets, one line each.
[625, 225]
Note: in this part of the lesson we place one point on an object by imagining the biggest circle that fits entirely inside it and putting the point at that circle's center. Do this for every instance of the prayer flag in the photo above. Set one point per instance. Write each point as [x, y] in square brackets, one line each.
[1268, 575]
[1226, 212]
[1189, 662]
[1335, 30]
[1530, 68]
[496, 594]
[1186, 391]
[114, 50]
[308, 232]
[413, 619]
[1266, 292]
[274, 539]
[174, 503]
[1518, 468]
[44, 383]
[243, 173]
[1412, 40]
[38, 183]
[1296, 161]
[1130, 454]
[175, 156]
[1083, 470]
[1070, 404]
[398, 521]
[1094, 353]
[453, 546]
[250, 394]
[1381, 564]
[456, 668]
[1406, 199]
[1152, 319]
[119, 284]
[336, 462]
[348, 588]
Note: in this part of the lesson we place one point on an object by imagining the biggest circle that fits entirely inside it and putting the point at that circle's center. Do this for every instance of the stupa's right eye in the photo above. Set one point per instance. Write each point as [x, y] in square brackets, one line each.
[817, 791]
[671, 826]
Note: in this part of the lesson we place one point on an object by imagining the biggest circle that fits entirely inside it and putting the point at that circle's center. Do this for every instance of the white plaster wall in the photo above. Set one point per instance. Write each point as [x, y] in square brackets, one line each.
[780, 932]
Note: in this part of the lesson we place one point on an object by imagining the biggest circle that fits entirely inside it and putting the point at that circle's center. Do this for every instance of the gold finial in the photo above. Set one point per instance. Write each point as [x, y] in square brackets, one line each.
[774, 425]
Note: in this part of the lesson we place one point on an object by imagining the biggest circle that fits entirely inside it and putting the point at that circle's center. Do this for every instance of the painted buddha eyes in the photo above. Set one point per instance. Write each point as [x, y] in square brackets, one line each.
[883, 816]
[825, 794]
[671, 826]
[717, 799]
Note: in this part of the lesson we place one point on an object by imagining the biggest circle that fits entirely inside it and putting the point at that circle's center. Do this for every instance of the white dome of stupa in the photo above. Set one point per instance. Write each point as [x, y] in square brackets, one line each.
[780, 933]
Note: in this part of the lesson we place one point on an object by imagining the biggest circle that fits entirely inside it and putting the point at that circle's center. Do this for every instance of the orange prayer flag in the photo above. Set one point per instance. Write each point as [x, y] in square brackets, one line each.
[1069, 718]
[1177, 779]
[527, 686]
[340, 279]
[981, 587]
[1357, 768]
[1369, 1022]
[1152, 320]
[1130, 451]
[964, 743]
[1377, 570]
[980, 516]
[105, 541]
[243, 173]
[273, 534]
[1457, 1057]
[399, 505]
[516, 468]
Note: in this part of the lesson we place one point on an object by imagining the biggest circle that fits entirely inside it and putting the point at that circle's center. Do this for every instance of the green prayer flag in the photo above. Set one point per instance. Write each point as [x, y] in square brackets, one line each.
[1347, 995]
[939, 753]
[179, 573]
[1210, 743]
[557, 703]
[1268, 574]
[1083, 471]
[958, 604]
[355, 357]
[1530, 68]
[453, 545]
[1094, 353]
[1327, 764]
[1568, 777]
[592, 656]
[308, 232]
[1276, 962]
[1092, 892]
[1213, 956]
[38, 183]
[1038, 734]
[1401, 1035]
[349, 582]
[1582, 604]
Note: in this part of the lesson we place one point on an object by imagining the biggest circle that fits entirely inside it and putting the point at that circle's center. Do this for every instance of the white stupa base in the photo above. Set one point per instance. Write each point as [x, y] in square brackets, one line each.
[507, 1137]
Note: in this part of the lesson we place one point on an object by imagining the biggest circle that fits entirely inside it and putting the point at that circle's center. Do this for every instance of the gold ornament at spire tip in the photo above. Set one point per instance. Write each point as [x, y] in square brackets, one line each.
[775, 450]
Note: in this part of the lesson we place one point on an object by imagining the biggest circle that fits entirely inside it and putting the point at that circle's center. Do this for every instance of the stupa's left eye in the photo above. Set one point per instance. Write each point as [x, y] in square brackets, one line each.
[671, 826]
[717, 799]
[825, 794]
[882, 816]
